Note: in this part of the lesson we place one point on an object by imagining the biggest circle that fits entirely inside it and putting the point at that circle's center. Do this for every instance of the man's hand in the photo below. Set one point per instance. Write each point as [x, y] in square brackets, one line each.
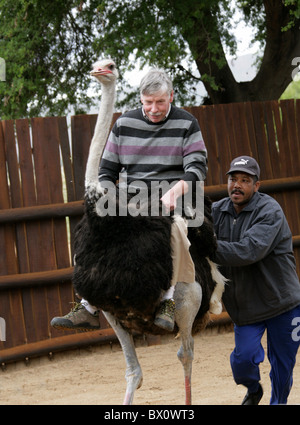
[169, 199]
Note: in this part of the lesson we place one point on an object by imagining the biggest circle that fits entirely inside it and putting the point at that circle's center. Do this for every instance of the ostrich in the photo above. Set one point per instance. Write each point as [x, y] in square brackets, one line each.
[123, 263]
[106, 73]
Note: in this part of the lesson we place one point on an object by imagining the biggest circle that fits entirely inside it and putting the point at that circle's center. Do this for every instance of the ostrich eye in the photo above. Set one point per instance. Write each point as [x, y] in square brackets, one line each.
[111, 67]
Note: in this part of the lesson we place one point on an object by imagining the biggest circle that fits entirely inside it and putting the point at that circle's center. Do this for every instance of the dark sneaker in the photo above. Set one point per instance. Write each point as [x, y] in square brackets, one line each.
[252, 399]
[78, 318]
[165, 316]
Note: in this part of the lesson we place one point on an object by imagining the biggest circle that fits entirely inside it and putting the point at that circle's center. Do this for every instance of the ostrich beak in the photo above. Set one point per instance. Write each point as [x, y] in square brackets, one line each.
[100, 71]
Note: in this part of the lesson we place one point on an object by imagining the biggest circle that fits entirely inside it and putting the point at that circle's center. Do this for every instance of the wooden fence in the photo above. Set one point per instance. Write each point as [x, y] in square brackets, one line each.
[42, 177]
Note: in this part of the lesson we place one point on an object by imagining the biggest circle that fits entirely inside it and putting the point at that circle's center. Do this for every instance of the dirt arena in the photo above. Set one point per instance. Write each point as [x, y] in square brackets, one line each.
[95, 376]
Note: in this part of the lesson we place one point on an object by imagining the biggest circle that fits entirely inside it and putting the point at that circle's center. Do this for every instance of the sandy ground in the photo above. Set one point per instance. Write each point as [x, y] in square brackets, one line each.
[95, 376]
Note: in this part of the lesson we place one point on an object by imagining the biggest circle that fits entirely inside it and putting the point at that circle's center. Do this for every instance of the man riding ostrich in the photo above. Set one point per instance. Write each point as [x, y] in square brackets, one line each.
[148, 273]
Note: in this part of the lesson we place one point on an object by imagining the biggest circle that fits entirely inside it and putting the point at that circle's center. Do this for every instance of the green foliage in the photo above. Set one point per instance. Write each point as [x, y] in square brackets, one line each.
[294, 10]
[49, 47]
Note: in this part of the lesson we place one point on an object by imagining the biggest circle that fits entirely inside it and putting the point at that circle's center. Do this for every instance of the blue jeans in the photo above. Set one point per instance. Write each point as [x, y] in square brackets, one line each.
[282, 344]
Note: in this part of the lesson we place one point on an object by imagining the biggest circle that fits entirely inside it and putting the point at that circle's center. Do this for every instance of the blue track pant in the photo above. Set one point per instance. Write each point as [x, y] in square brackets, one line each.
[283, 336]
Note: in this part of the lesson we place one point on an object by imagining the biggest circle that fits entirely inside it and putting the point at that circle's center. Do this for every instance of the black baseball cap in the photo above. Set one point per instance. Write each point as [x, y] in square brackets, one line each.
[245, 164]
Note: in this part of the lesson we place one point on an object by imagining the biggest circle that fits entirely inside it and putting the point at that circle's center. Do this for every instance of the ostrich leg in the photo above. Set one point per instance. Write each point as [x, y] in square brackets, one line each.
[134, 376]
[186, 355]
[188, 299]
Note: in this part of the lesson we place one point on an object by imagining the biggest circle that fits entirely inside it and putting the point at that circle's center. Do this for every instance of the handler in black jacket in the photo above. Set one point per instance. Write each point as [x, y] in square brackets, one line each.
[263, 291]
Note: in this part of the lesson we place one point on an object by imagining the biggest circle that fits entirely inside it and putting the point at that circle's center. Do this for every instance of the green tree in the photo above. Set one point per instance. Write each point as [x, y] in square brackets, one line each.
[49, 48]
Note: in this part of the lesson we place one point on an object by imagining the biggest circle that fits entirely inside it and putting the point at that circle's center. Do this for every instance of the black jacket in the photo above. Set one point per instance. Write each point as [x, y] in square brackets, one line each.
[255, 252]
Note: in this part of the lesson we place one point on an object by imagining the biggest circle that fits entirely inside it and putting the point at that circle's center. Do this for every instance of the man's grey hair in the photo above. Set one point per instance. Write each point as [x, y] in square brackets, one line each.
[155, 81]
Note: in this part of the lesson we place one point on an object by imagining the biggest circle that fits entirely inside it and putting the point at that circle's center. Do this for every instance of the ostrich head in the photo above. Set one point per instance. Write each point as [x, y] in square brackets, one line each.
[105, 71]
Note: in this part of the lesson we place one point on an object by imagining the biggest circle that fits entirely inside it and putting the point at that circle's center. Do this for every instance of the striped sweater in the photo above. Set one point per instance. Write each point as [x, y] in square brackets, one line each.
[169, 150]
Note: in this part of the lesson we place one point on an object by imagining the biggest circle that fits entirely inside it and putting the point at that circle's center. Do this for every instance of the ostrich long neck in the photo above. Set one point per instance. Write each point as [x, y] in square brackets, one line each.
[100, 133]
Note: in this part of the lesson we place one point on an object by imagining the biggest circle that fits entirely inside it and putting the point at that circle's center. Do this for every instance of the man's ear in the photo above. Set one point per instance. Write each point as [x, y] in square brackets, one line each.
[257, 186]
